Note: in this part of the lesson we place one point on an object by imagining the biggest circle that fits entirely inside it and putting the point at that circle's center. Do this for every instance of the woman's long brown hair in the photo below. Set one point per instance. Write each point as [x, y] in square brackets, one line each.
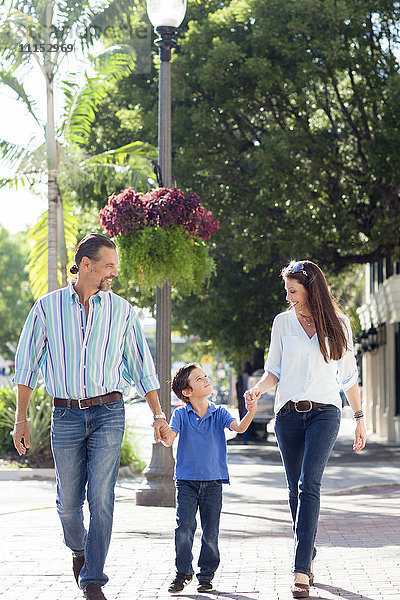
[323, 307]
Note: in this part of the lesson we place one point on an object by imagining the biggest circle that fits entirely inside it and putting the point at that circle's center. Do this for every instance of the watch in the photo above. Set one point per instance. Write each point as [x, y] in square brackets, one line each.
[160, 416]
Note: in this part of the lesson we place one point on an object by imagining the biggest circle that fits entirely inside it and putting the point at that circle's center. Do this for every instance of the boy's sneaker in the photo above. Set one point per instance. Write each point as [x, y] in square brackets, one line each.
[205, 585]
[181, 580]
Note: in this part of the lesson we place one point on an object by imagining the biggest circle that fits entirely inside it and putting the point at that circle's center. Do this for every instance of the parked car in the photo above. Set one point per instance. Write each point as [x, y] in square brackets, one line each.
[265, 406]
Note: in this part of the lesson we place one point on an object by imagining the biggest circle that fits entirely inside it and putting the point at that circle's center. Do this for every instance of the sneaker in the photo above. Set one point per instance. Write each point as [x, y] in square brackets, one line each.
[205, 585]
[181, 580]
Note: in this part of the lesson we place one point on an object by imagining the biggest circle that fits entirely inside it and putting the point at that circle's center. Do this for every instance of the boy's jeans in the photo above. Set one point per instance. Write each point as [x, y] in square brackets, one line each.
[207, 497]
[86, 446]
[305, 441]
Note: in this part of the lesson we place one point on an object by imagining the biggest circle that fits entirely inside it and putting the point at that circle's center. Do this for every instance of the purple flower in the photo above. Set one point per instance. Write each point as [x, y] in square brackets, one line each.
[161, 207]
[123, 213]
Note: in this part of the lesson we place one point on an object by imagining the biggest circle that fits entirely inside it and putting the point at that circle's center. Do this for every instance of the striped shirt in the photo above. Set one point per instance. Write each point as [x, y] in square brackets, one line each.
[84, 358]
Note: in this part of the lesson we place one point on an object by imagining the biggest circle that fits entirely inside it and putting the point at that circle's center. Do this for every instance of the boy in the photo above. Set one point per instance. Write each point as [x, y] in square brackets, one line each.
[200, 471]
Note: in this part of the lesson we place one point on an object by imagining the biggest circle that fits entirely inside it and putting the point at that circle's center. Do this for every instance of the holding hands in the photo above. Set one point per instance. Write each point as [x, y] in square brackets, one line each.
[163, 432]
[251, 397]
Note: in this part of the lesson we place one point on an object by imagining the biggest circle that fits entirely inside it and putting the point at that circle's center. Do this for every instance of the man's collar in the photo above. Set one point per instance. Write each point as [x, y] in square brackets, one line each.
[75, 298]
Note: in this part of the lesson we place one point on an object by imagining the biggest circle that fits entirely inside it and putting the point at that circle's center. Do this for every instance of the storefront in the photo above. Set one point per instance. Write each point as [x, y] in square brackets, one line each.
[378, 349]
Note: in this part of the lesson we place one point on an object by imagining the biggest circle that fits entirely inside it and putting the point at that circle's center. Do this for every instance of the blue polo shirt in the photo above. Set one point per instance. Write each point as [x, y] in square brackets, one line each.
[201, 452]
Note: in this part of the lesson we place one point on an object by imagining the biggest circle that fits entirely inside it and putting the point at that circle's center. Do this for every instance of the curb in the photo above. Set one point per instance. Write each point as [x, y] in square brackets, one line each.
[43, 474]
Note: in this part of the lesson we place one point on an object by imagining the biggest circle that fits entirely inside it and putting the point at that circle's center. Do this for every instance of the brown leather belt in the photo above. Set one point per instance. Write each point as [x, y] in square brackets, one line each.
[87, 402]
[303, 406]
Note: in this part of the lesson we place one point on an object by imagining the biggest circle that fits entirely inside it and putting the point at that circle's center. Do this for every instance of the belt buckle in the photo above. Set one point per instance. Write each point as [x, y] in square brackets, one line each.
[79, 404]
[303, 411]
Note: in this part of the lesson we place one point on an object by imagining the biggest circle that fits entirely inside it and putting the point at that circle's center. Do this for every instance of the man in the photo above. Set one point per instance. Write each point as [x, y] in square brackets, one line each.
[88, 345]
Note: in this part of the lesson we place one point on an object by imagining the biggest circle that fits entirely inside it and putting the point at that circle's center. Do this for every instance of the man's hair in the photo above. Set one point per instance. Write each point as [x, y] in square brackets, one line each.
[90, 246]
[180, 381]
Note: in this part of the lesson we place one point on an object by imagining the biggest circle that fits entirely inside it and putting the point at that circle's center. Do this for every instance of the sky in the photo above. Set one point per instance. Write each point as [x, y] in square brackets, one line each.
[21, 209]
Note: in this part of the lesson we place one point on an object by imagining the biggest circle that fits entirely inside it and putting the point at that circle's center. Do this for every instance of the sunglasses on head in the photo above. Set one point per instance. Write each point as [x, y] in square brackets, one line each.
[297, 268]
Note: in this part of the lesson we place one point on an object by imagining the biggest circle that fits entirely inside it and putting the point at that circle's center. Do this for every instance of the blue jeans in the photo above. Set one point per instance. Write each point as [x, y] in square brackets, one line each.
[86, 446]
[207, 497]
[305, 441]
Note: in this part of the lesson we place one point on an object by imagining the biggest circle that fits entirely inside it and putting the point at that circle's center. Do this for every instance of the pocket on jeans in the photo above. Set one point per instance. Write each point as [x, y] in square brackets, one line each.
[284, 412]
[328, 408]
[58, 413]
[118, 405]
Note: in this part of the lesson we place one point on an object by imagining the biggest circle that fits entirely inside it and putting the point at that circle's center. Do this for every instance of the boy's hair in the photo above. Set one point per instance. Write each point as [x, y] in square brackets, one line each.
[181, 380]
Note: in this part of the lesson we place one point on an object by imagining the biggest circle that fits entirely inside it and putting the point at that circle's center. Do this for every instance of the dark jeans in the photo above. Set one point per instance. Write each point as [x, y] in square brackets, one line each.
[86, 446]
[207, 497]
[305, 441]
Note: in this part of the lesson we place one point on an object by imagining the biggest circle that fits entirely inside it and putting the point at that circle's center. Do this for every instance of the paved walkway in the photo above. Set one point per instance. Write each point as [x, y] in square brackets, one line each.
[358, 538]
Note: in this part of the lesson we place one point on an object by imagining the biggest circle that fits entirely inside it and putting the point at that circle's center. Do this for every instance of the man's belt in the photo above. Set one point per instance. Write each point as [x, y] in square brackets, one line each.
[87, 402]
[303, 406]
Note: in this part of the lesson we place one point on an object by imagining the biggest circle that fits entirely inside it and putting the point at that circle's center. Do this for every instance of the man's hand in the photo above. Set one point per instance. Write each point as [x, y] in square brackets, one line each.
[158, 424]
[21, 432]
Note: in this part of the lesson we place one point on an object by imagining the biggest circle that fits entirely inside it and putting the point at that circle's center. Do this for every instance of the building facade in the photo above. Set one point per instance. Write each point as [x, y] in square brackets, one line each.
[378, 349]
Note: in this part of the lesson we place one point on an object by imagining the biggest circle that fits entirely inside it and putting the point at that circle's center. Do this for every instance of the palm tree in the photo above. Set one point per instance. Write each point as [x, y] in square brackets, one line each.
[42, 25]
[32, 33]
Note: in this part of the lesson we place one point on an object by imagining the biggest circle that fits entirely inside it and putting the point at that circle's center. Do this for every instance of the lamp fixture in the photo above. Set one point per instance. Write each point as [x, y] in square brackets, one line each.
[166, 13]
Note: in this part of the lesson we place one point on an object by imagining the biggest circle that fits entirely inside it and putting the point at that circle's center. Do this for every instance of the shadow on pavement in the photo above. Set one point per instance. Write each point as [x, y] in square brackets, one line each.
[337, 591]
[374, 452]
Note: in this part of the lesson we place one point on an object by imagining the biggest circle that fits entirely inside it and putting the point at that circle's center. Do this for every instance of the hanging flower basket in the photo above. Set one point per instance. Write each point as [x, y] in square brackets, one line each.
[161, 235]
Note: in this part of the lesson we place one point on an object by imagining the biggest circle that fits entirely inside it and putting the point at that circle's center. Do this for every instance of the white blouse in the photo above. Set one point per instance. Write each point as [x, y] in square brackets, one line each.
[296, 360]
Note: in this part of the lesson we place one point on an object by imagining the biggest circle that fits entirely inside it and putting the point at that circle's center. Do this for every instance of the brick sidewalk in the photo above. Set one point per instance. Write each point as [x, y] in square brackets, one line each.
[358, 544]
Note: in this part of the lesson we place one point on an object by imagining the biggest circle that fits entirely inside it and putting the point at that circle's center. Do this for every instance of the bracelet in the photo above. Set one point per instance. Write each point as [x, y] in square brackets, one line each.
[23, 421]
[358, 414]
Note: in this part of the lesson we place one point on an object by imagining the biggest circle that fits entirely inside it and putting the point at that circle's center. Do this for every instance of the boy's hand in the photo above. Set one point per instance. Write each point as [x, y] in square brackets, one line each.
[167, 435]
[165, 430]
[251, 404]
[251, 397]
[158, 424]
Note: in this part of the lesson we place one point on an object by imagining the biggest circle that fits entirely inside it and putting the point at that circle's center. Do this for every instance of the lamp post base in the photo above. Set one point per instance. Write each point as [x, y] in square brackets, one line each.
[158, 488]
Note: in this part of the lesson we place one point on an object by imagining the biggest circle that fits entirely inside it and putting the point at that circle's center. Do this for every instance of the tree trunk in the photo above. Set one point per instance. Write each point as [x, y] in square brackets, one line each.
[52, 282]
[51, 151]
[62, 248]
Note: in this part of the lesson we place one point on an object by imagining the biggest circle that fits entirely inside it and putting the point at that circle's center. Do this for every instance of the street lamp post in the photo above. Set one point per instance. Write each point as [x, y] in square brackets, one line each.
[159, 490]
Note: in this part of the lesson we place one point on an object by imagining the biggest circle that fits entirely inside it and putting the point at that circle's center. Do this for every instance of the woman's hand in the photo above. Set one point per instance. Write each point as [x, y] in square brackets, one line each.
[251, 396]
[360, 435]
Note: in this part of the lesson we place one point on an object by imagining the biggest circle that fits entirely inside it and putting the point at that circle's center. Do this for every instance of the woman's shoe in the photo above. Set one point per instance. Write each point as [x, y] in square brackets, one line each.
[312, 573]
[300, 590]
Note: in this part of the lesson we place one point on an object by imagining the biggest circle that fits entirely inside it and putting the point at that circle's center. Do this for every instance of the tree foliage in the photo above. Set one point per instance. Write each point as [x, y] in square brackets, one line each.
[15, 297]
[285, 122]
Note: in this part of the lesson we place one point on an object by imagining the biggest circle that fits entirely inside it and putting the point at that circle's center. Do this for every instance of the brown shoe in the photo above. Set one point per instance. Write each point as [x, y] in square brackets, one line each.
[93, 592]
[77, 564]
[300, 590]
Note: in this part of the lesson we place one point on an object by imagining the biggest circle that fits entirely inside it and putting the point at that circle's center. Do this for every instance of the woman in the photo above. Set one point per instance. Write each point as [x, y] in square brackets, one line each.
[311, 359]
